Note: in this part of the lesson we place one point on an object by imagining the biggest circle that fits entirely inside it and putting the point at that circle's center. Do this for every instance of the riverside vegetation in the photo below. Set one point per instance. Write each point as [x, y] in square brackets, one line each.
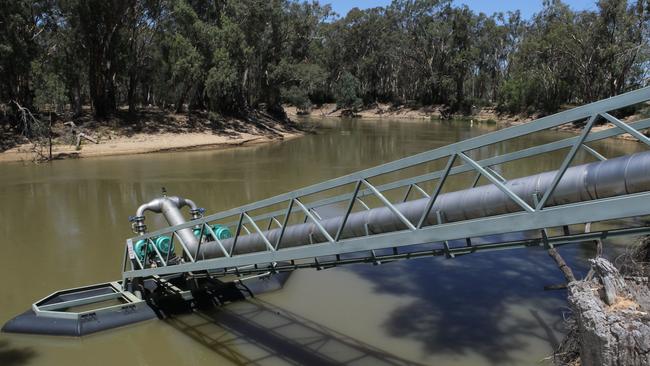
[224, 60]
[226, 67]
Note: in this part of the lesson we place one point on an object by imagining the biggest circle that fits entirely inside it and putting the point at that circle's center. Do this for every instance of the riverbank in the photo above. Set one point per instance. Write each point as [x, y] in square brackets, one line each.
[484, 115]
[379, 110]
[152, 131]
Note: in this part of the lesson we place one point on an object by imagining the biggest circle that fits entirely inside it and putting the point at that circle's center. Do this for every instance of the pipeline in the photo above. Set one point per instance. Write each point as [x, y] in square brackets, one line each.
[170, 208]
[613, 177]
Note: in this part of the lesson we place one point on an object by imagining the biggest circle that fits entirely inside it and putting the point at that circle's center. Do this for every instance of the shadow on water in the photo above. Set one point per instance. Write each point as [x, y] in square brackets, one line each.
[258, 333]
[489, 303]
[551, 336]
[14, 356]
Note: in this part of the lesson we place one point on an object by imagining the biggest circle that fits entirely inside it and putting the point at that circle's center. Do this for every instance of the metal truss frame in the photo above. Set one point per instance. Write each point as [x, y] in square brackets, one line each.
[536, 217]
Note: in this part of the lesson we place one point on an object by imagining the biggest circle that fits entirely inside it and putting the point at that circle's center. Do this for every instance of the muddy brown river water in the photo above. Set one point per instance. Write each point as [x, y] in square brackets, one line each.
[63, 225]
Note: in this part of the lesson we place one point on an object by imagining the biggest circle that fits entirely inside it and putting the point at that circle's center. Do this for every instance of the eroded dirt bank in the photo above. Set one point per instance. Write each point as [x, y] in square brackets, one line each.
[151, 131]
[485, 114]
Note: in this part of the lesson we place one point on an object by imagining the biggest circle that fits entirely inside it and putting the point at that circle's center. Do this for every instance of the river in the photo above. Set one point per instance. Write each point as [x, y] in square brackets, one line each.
[63, 225]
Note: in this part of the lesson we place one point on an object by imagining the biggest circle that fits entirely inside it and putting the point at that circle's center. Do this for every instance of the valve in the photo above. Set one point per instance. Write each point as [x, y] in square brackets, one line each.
[137, 224]
[197, 213]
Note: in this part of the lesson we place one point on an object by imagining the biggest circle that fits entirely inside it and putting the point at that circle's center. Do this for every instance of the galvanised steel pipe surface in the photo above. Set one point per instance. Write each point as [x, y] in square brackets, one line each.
[170, 208]
[613, 177]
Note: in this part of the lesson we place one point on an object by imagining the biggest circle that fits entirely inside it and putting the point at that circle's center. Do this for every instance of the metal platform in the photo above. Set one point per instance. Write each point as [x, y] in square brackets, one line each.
[90, 309]
[81, 311]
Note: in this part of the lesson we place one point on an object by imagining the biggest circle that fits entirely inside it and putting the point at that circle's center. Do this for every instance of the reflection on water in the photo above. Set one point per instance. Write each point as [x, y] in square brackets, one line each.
[63, 225]
[10, 356]
[259, 333]
[482, 304]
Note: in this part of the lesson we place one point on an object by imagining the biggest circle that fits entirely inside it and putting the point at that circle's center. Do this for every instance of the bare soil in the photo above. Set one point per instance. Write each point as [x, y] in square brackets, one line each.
[380, 110]
[485, 114]
[151, 130]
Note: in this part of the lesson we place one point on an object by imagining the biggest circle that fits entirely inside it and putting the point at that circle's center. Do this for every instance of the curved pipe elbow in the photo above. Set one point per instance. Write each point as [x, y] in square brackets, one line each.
[154, 205]
[181, 202]
[157, 205]
[191, 204]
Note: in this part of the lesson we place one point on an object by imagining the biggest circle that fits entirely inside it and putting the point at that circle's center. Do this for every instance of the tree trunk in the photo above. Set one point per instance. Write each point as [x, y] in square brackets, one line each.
[612, 318]
[460, 92]
[75, 99]
[181, 100]
[133, 82]
[100, 84]
[100, 22]
[104, 106]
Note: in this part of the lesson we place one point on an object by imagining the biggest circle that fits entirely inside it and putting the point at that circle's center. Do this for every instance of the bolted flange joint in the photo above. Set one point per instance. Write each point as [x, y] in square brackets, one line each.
[197, 213]
[137, 224]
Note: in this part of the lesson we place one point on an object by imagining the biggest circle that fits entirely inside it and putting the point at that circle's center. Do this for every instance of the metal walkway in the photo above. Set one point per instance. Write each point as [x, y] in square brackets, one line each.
[550, 225]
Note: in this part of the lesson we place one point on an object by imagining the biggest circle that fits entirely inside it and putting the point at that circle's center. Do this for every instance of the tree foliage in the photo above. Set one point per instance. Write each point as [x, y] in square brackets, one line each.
[234, 56]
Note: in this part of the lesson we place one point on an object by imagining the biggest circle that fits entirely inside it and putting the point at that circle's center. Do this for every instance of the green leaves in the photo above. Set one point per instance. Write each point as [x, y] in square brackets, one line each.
[223, 78]
[232, 56]
[347, 92]
[185, 61]
[575, 57]
[49, 89]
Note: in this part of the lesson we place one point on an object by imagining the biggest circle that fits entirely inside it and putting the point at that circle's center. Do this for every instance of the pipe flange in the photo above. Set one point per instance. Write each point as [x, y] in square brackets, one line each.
[138, 224]
[197, 213]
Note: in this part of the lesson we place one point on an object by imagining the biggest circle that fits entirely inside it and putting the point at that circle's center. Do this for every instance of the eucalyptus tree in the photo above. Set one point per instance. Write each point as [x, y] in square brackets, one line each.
[19, 33]
[99, 24]
[231, 57]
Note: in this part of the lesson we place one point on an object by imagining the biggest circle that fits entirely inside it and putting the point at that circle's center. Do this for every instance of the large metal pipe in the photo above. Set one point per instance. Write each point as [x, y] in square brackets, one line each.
[613, 177]
[170, 208]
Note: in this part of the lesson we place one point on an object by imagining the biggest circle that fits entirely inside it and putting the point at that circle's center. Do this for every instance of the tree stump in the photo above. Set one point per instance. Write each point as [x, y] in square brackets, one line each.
[611, 315]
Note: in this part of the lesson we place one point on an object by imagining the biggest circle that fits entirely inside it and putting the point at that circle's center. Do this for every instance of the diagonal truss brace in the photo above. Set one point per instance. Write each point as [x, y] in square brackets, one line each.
[497, 182]
[388, 204]
[567, 161]
[596, 210]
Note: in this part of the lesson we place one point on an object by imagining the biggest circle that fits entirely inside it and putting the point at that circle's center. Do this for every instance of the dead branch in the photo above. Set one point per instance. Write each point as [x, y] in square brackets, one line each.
[78, 135]
[34, 131]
